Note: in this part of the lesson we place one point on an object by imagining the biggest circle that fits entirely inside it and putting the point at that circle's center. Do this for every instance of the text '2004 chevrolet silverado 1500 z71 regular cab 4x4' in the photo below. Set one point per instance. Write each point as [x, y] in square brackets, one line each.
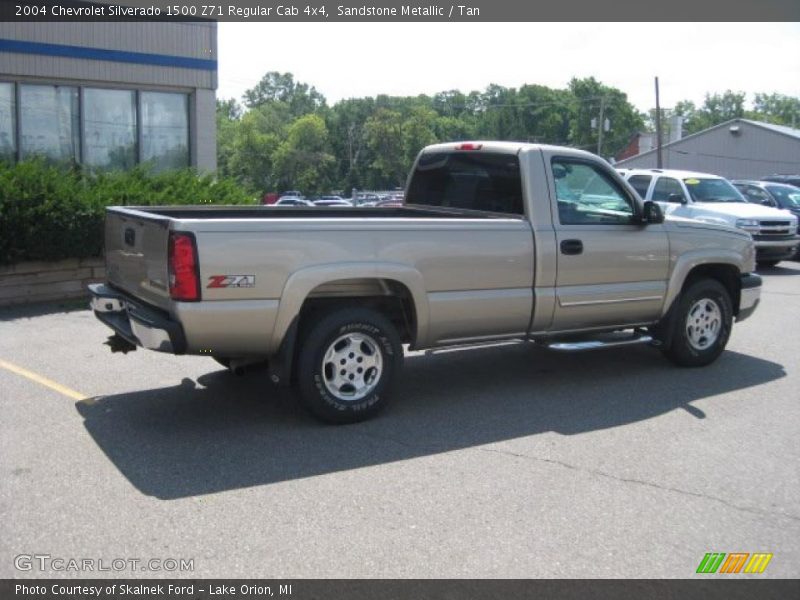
[496, 241]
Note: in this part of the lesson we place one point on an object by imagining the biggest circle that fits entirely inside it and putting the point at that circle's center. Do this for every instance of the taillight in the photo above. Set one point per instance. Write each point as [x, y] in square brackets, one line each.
[184, 278]
[469, 146]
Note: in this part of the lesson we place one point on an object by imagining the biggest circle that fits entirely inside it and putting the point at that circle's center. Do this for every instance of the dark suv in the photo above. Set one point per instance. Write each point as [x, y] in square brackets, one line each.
[769, 193]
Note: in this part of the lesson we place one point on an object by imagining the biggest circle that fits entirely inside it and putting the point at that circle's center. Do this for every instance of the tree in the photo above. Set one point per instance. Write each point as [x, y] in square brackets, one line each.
[623, 117]
[384, 131]
[229, 109]
[303, 160]
[418, 131]
[256, 138]
[716, 109]
[229, 113]
[346, 121]
[281, 87]
[777, 108]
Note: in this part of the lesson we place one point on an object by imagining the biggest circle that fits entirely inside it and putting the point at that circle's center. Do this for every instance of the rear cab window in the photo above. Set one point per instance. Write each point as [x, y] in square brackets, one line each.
[469, 180]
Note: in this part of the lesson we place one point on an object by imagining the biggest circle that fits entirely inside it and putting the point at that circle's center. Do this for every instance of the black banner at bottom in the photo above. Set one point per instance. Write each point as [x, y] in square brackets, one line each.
[393, 589]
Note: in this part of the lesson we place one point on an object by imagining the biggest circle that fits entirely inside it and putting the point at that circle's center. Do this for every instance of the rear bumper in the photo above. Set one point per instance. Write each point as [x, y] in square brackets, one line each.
[139, 324]
[750, 296]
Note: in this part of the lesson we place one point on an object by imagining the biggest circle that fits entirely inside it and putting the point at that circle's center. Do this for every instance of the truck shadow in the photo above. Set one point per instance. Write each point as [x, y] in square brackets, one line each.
[225, 432]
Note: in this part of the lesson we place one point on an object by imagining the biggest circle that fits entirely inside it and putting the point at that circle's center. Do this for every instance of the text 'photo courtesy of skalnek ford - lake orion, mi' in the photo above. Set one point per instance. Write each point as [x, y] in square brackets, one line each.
[399, 300]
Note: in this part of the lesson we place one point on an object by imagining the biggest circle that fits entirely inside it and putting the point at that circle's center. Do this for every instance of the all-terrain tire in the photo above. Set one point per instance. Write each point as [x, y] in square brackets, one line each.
[702, 324]
[347, 363]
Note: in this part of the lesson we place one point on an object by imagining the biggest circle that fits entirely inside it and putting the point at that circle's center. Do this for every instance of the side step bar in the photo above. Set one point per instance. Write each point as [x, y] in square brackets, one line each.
[600, 342]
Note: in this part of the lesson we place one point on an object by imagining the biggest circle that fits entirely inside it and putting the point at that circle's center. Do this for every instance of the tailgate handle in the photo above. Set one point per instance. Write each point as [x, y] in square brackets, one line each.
[130, 236]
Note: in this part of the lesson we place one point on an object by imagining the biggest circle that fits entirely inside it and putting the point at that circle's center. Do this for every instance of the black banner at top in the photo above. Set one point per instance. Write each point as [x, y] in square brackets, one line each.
[400, 11]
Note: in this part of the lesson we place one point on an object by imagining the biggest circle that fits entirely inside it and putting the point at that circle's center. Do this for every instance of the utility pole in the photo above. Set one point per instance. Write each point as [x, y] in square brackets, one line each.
[659, 163]
[600, 126]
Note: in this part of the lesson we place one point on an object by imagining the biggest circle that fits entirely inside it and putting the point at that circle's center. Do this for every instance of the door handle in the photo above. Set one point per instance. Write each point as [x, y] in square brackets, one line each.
[571, 247]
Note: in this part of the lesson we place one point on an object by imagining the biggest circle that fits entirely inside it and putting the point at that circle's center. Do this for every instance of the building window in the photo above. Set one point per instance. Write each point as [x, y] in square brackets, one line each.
[109, 128]
[8, 136]
[165, 130]
[101, 128]
[48, 122]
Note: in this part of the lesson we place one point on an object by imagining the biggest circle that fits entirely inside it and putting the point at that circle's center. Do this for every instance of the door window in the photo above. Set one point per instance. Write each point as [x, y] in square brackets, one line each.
[588, 196]
[640, 183]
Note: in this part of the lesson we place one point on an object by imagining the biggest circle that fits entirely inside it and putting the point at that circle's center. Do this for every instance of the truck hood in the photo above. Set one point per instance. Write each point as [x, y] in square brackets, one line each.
[742, 210]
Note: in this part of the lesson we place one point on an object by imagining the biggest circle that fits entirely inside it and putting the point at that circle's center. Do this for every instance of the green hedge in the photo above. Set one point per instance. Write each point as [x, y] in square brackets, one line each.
[48, 212]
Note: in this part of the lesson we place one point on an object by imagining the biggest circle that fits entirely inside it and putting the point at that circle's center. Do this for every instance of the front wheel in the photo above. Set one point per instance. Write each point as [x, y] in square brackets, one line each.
[347, 364]
[702, 324]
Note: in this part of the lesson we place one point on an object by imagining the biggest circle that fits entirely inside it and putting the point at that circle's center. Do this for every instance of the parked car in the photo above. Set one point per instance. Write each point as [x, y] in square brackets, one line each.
[787, 179]
[776, 195]
[365, 199]
[293, 201]
[767, 193]
[487, 249]
[270, 198]
[389, 202]
[714, 199]
[331, 201]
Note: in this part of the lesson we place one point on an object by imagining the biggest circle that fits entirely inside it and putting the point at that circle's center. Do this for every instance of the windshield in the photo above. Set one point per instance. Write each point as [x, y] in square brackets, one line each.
[787, 196]
[712, 190]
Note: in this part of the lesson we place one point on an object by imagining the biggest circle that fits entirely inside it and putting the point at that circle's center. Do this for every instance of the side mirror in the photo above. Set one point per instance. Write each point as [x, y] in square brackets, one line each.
[677, 199]
[767, 202]
[652, 213]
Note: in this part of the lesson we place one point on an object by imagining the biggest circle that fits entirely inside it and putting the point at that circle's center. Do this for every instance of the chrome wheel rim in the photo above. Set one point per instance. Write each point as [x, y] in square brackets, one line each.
[352, 366]
[703, 324]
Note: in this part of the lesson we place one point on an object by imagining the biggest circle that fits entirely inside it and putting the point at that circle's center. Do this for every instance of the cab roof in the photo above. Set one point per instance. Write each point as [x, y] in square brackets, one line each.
[504, 148]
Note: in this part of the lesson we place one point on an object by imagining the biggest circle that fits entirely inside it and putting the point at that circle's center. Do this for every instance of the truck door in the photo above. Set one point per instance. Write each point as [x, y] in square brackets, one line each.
[611, 269]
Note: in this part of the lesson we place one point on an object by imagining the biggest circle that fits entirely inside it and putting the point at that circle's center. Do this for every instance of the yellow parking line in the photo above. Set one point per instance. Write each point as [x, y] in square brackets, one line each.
[61, 389]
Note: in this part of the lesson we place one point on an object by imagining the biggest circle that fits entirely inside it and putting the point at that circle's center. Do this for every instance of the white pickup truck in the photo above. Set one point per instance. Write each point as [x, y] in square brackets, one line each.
[496, 241]
[713, 199]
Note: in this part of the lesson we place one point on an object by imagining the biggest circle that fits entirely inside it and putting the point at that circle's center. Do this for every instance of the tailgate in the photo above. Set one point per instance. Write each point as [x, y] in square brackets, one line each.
[136, 254]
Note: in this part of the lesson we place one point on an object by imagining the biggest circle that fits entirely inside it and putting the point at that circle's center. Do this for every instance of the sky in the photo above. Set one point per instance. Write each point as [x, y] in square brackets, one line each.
[346, 60]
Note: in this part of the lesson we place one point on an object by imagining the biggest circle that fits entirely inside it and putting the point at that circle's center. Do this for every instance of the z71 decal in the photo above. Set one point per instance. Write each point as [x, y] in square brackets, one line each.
[231, 281]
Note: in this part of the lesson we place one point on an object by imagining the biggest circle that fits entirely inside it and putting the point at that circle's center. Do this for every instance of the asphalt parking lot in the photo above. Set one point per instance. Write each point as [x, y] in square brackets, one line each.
[507, 461]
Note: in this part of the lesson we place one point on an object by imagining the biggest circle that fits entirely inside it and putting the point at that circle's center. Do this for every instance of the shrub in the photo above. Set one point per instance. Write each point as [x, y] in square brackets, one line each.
[48, 212]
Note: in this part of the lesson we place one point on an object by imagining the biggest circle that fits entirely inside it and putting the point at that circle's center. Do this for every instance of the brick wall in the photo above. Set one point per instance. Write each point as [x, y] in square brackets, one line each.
[29, 282]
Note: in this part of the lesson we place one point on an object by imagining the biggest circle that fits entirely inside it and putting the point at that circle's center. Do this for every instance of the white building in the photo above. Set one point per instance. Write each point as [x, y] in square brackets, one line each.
[109, 94]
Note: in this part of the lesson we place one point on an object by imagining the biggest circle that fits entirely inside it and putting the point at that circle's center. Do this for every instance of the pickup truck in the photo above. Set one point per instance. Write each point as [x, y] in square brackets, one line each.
[713, 199]
[496, 241]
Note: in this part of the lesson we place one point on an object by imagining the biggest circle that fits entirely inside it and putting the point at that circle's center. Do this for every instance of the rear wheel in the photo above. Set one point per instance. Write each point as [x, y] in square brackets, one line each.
[347, 364]
[702, 324]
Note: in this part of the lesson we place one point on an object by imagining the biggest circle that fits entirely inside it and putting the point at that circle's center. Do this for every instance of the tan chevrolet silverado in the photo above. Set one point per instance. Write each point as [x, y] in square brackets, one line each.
[496, 241]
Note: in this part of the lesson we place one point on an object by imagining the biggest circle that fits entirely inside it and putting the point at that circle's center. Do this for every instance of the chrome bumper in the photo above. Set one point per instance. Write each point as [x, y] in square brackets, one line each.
[749, 297]
[139, 324]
